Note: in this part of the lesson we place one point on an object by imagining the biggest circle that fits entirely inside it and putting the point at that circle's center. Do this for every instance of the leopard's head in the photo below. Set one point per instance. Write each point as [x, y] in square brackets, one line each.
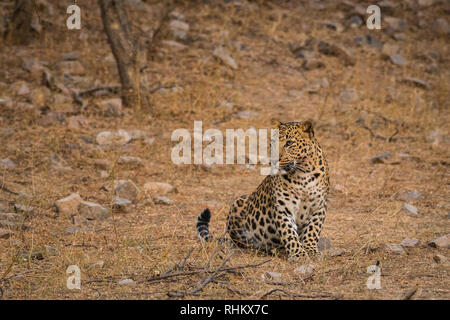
[298, 148]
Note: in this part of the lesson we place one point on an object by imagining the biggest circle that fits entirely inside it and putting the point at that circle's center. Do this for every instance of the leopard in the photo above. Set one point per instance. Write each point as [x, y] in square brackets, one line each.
[287, 210]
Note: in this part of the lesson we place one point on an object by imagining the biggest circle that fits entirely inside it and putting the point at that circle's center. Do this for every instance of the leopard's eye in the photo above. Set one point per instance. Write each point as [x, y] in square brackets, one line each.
[289, 143]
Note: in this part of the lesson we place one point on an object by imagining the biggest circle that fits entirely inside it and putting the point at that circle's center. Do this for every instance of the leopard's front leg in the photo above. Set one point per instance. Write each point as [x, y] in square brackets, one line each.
[310, 234]
[289, 236]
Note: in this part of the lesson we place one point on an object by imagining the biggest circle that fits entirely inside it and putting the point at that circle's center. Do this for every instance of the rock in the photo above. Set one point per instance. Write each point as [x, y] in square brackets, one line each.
[305, 270]
[39, 95]
[51, 251]
[78, 229]
[312, 63]
[338, 51]
[2, 208]
[69, 56]
[416, 82]
[132, 162]
[178, 29]
[409, 209]
[394, 248]
[223, 55]
[409, 242]
[174, 45]
[102, 164]
[23, 208]
[158, 188]
[137, 134]
[52, 118]
[324, 244]
[441, 242]
[77, 122]
[120, 137]
[348, 95]
[7, 163]
[380, 158]
[410, 195]
[439, 258]
[432, 68]
[92, 210]
[440, 26]
[98, 264]
[122, 205]
[426, 3]
[71, 67]
[273, 276]
[247, 114]
[389, 49]
[336, 26]
[435, 137]
[58, 163]
[5, 233]
[79, 221]
[127, 189]
[127, 282]
[335, 252]
[69, 204]
[400, 36]
[161, 200]
[355, 22]
[397, 59]
[111, 107]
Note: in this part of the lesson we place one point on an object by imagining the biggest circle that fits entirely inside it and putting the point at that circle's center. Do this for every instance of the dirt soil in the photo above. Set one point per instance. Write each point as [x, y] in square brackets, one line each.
[361, 107]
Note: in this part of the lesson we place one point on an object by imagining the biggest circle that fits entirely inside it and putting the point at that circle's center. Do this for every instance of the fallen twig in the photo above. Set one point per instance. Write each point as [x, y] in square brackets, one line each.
[301, 295]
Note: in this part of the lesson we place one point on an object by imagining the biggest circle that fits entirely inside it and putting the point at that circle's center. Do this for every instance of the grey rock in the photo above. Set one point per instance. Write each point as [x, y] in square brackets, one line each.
[122, 205]
[397, 59]
[381, 157]
[78, 229]
[409, 242]
[23, 208]
[335, 252]
[355, 21]
[324, 244]
[409, 209]
[132, 162]
[73, 55]
[410, 195]
[336, 26]
[439, 258]
[71, 67]
[92, 210]
[127, 189]
[441, 242]
[111, 107]
[5, 233]
[69, 204]
[312, 63]
[120, 137]
[394, 248]
[247, 114]
[223, 55]
[348, 95]
[157, 188]
[98, 264]
[396, 24]
[174, 45]
[79, 221]
[304, 270]
[7, 163]
[400, 36]
[441, 26]
[432, 68]
[272, 276]
[416, 82]
[161, 200]
[127, 282]
[331, 49]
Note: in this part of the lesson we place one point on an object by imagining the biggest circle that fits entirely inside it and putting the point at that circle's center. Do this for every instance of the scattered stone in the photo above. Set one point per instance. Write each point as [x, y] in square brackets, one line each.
[79, 221]
[272, 276]
[426, 3]
[335, 252]
[410, 195]
[338, 51]
[409, 209]
[435, 137]
[132, 162]
[400, 36]
[432, 68]
[71, 67]
[224, 56]
[78, 229]
[336, 26]
[312, 63]
[102, 164]
[324, 244]
[348, 95]
[174, 45]
[416, 82]
[39, 95]
[394, 248]
[69, 56]
[355, 21]
[395, 24]
[397, 59]
[77, 122]
[161, 200]
[98, 264]
[380, 158]
[127, 189]
[127, 282]
[21, 88]
[441, 242]
[69, 204]
[440, 26]
[158, 188]
[111, 107]
[51, 251]
[389, 49]
[439, 258]
[179, 29]
[409, 242]
[122, 205]
[7, 163]
[52, 118]
[120, 137]
[247, 114]
[92, 210]
[23, 208]
[5, 233]
[305, 270]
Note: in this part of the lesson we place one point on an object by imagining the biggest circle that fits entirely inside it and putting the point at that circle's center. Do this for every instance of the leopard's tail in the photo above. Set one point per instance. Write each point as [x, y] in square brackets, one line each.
[203, 225]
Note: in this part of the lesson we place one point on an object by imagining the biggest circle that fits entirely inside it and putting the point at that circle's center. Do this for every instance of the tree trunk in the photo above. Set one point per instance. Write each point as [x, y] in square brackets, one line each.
[24, 24]
[126, 49]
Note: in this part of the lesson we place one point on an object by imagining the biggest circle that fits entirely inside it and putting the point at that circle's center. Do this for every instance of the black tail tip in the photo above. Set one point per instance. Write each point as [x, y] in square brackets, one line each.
[205, 215]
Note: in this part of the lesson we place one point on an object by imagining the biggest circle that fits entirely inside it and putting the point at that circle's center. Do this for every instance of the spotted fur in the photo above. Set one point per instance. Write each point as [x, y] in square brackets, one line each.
[287, 210]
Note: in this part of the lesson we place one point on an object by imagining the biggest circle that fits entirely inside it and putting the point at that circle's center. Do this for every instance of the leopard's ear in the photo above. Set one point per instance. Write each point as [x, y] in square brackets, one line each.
[307, 127]
[275, 123]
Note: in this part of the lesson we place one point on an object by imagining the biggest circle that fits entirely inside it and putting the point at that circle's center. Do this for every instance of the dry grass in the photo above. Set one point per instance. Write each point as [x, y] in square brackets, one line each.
[363, 212]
